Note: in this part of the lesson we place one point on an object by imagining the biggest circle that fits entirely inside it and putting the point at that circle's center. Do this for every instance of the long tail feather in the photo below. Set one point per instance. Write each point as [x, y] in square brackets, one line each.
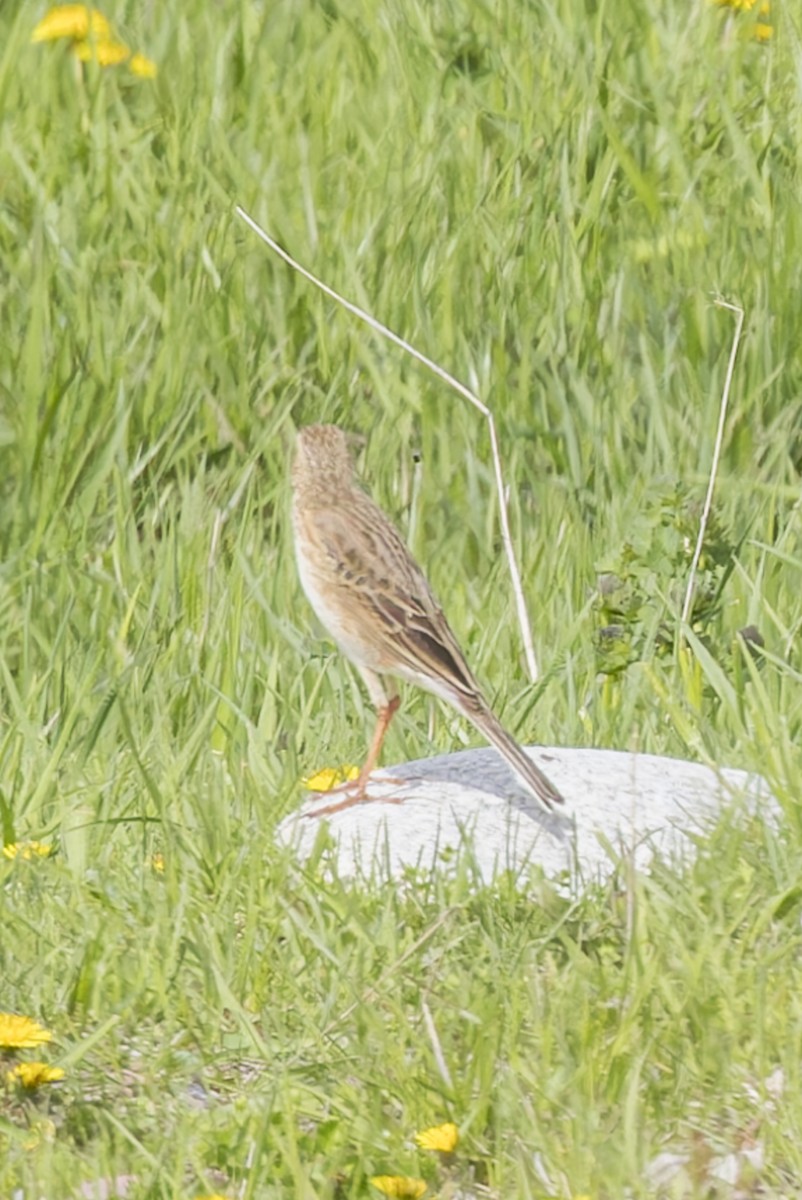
[516, 757]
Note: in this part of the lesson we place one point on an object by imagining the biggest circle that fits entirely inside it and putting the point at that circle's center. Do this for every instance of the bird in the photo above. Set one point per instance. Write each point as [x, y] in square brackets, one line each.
[376, 603]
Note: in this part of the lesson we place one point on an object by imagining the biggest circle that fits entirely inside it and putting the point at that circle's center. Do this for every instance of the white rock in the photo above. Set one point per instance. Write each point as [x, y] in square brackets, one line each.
[423, 813]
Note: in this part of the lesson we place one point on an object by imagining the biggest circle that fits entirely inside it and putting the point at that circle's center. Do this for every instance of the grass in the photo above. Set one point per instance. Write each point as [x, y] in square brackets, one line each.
[544, 199]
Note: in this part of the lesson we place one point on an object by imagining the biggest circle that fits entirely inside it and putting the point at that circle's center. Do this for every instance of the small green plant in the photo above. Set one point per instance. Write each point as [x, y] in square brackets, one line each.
[640, 589]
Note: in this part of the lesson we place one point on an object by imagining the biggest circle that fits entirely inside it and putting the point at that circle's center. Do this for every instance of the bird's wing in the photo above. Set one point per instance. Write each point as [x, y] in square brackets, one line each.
[372, 563]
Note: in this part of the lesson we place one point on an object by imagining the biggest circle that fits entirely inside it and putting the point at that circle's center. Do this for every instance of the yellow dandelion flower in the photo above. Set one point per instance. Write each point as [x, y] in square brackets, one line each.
[328, 778]
[762, 31]
[33, 1074]
[27, 850]
[145, 68]
[104, 51]
[401, 1186]
[92, 38]
[20, 1033]
[746, 5]
[439, 1137]
[157, 862]
[71, 21]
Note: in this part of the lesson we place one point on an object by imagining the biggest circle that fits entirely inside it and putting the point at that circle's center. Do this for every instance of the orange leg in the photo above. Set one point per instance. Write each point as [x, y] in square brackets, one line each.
[357, 791]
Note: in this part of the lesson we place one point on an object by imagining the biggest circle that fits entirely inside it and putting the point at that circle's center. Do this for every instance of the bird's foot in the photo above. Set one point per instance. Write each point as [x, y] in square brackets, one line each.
[356, 793]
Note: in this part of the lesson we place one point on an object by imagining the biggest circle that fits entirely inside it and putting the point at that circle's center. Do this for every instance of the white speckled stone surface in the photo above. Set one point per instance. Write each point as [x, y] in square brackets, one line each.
[617, 804]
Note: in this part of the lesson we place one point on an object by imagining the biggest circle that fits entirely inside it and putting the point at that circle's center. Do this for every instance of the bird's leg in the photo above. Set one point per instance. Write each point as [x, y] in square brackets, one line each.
[358, 790]
[383, 719]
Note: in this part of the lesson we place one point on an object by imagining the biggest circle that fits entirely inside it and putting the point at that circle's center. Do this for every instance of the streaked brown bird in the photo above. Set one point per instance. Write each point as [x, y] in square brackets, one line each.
[376, 603]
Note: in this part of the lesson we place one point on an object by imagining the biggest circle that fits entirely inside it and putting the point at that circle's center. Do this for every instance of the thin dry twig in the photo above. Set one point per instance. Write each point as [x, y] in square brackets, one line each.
[722, 418]
[462, 390]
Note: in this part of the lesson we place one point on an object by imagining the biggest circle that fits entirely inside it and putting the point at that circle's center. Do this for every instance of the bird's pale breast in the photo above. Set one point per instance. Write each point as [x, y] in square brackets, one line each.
[336, 606]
